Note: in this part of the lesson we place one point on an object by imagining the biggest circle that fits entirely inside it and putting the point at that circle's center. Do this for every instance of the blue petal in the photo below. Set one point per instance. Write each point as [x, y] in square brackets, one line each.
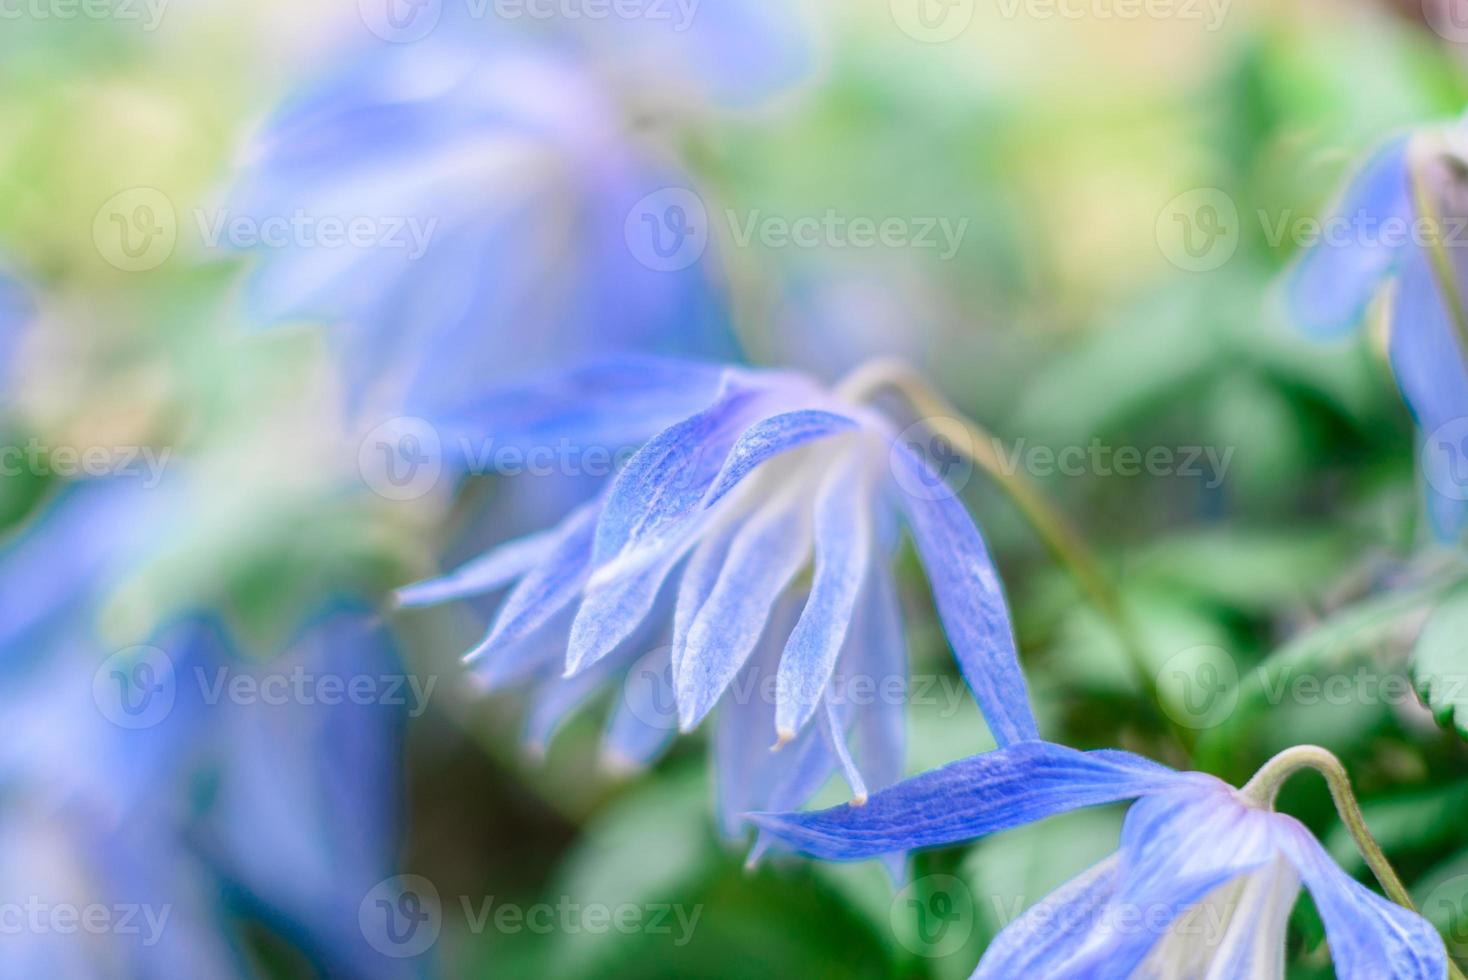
[556, 699]
[1177, 847]
[1039, 943]
[969, 599]
[1431, 371]
[770, 549]
[698, 581]
[843, 541]
[645, 720]
[1333, 282]
[492, 570]
[770, 437]
[1369, 936]
[612, 611]
[548, 588]
[612, 403]
[662, 485]
[967, 799]
[878, 652]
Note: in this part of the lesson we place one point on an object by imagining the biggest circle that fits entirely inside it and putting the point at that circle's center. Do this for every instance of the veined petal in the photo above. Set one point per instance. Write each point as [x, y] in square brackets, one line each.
[612, 610]
[1178, 847]
[492, 570]
[548, 588]
[843, 544]
[1431, 371]
[1369, 936]
[969, 599]
[697, 583]
[770, 437]
[765, 556]
[1038, 943]
[970, 798]
[662, 485]
[834, 733]
[1333, 281]
[1238, 930]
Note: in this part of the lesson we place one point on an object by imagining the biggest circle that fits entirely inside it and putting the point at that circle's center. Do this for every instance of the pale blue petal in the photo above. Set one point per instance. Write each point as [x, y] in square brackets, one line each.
[770, 437]
[970, 798]
[558, 698]
[1335, 279]
[843, 543]
[546, 589]
[612, 611]
[969, 599]
[878, 651]
[1177, 847]
[697, 583]
[833, 731]
[662, 485]
[1431, 371]
[1369, 936]
[645, 719]
[1039, 943]
[492, 570]
[612, 403]
[770, 549]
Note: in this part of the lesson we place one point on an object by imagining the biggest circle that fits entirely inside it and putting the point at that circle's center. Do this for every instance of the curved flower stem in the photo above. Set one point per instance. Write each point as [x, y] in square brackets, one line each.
[1442, 265]
[1064, 542]
[1263, 790]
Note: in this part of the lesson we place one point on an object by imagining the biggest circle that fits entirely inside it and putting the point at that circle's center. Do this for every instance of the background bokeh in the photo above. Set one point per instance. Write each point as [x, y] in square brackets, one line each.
[187, 439]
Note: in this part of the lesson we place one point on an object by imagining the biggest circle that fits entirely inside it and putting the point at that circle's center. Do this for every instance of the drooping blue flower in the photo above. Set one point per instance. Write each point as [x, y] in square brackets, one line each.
[1201, 885]
[1381, 231]
[695, 550]
[499, 189]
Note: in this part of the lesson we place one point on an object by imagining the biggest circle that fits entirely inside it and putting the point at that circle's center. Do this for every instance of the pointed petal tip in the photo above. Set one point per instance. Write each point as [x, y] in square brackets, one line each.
[859, 799]
[783, 737]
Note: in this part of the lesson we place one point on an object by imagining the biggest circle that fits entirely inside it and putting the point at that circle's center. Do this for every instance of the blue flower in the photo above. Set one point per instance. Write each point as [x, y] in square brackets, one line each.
[695, 550]
[110, 740]
[1399, 221]
[1202, 883]
[498, 186]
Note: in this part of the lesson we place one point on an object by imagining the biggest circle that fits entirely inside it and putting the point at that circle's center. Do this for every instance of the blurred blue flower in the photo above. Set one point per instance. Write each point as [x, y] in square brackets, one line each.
[1202, 883]
[496, 188]
[744, 479]
[1401, 219]
[111, 752]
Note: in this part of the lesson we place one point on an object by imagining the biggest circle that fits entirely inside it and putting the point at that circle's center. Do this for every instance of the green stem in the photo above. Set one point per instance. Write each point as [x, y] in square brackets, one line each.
[1263, 791]
[1062, 540]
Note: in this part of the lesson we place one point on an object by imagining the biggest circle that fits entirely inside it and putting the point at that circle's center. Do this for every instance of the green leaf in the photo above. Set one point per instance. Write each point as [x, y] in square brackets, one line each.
[1440, 661]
